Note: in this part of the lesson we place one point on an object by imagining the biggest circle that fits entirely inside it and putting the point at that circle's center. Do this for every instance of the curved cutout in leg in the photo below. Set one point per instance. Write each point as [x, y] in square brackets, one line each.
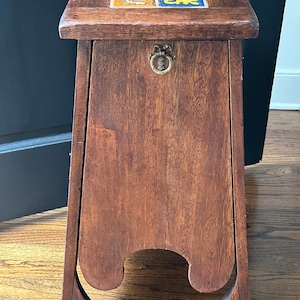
[158, 274]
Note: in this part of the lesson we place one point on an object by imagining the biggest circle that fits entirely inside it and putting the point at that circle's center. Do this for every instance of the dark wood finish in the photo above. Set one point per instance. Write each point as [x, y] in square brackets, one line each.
[159, 158]
[149, 171]
[240, 289]
[78, 142]
[90, 20]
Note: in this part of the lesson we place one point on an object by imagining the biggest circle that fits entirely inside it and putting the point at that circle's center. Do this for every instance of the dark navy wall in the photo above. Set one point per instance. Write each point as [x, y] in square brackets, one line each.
[259, 66]
[36, 95]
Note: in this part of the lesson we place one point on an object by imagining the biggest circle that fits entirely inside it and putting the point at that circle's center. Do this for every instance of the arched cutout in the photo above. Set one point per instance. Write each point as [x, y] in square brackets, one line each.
[156, 274]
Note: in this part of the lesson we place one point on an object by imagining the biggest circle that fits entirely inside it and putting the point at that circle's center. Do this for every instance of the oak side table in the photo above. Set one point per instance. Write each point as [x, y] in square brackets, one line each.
[157, 152]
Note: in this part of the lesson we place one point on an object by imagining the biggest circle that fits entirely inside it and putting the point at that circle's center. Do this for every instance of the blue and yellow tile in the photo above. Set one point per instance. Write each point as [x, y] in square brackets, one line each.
[182, 3]
[132, 3]
[158, 3]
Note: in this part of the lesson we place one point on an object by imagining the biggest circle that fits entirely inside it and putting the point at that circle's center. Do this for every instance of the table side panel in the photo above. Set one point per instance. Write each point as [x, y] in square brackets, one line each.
[157, 170]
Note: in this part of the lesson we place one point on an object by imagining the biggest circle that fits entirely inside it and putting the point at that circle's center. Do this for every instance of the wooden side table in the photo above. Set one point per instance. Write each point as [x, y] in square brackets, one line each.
[157, 152]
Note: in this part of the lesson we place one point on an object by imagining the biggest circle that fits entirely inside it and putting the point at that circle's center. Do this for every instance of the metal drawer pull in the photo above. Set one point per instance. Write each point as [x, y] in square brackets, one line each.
[161, 60]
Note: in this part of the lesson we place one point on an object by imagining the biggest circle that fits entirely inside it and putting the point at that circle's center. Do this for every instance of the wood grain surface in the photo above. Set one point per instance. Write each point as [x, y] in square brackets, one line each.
[76, 165]
[240, 289]
[273, 193]
[224, 19]
[164, 176]
[157, 170]
[32, 248]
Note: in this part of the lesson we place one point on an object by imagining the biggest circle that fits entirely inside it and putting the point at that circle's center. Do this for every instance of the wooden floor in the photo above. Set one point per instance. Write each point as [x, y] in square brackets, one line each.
[32, 248]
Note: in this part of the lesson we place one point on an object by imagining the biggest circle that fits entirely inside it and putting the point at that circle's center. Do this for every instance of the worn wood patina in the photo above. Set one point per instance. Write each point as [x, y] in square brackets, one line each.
[157, 152]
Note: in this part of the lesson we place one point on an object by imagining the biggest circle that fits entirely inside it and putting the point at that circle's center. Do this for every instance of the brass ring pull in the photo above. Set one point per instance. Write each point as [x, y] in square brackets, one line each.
[161, 60]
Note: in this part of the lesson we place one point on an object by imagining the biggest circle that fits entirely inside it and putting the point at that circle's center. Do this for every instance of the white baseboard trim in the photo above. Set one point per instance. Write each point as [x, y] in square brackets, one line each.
[285, 106]
[286, 91]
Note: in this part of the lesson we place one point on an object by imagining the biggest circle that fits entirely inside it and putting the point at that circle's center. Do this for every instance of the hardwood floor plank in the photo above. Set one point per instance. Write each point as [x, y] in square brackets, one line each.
[31, 256]
[282, 142]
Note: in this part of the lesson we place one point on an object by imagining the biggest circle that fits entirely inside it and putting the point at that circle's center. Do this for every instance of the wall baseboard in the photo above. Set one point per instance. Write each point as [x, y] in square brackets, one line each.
[284, 106]
[35, 143]
[286, 91]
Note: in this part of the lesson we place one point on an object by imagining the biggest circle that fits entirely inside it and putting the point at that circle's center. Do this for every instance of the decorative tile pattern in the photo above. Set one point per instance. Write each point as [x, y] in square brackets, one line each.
[158, 3]
[181, 3]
